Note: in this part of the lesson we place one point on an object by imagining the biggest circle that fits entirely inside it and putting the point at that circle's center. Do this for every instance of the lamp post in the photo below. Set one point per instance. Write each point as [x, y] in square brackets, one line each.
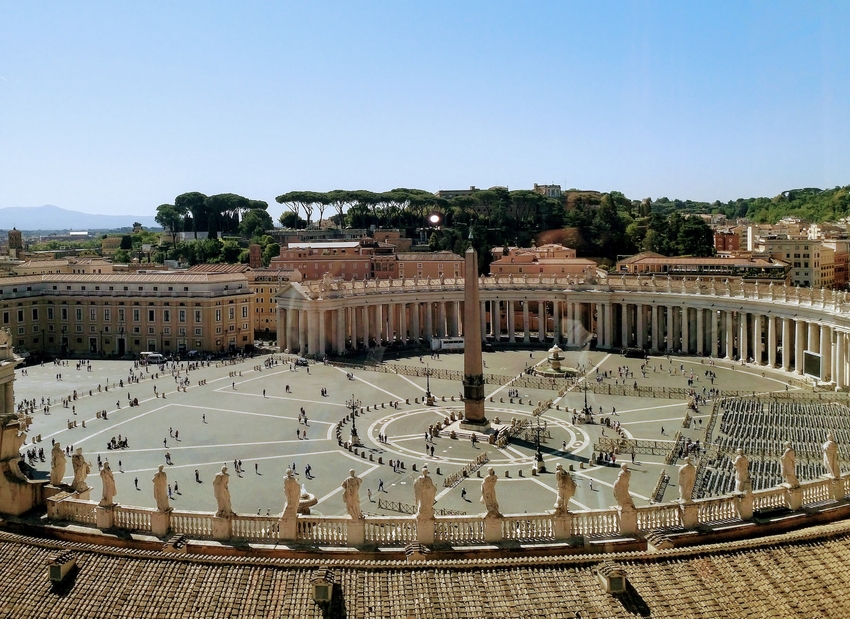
[538, 456]
[354, 405]
[63, 344]
[429, 398]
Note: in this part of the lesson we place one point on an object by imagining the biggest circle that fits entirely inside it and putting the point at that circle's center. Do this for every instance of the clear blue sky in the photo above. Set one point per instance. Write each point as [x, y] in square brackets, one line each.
[117, 107]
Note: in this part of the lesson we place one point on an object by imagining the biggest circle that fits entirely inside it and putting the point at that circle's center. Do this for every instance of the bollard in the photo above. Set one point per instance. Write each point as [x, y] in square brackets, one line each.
[438, 471]
[371, 457]
[407, 400]
[581, 465]
[478, 472]
[502, 400]
[368, 408]
[571, 468]
[401, 465]
[507, 473]
[380, 460]
[539, 403]
[363, 454]
[533, 472]
[453, 398]
[414, 466]
[84, 423]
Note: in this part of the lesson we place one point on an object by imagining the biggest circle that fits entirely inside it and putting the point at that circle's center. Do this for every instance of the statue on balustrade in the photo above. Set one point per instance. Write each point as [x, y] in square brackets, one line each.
[789, 466]
[160, 490]
[830, 457]
[488, 494]
[351, 495]
[81, 470]
[292, 492]
[743, 481]
[687, 475]
[221, 490]
[566, 490]
[621, 488]
[57, 465]
[425, 493]
[108, 483]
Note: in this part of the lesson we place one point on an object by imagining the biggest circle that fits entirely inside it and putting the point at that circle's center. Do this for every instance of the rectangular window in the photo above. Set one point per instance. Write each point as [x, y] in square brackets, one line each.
[79, 314]
[35, 313]
[197, 315]
[231, 314]
[181, 315]
[5, 318]
[151, 315]
[197, 330]
[218, 315]
[64, 313]
[244, 311]
[136, 315]
[20, 315]
[49, 313]
[166, 315]
[92, 313]
[121, 315]
[107, 314]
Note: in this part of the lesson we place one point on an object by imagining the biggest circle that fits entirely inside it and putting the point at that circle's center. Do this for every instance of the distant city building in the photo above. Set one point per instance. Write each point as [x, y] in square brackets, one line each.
[16, 243]
[687, 267]
[550, 259]
[550, 191]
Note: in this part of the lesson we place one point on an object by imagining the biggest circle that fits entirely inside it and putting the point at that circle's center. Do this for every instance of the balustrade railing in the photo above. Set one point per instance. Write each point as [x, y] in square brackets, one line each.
[772, 498]
[662, 516]
[194, 524]
[528, 528]
[716, 510]
[322, 530]
[459, 530]
[133, 518]
[390, 530]
[596, 523]
[256, 528]
[83, 512]
[816, 491]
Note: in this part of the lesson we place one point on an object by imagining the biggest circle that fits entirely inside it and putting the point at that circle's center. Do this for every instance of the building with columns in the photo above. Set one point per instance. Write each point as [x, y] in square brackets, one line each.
[801, 331]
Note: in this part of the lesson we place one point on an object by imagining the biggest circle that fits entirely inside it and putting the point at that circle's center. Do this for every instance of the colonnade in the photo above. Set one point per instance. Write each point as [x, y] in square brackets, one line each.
[764, 332]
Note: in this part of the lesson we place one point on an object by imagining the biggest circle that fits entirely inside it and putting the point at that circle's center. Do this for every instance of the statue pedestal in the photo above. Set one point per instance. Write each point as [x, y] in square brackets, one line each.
[222, 528]
[429, 400]
[743, 504]
[83, 495]
[354, 440]
[492, 528]
[288, 529]
[562, 525]
[160, 523]
[689, 513]
[628, 520]
[425, 530]
[836, 489]
[793, 496]
[356, 532]
[105, 516]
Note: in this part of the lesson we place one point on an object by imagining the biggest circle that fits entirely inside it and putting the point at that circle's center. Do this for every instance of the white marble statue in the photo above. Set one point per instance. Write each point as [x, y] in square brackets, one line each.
[621, 488]
[488, 494]
[292, 493]
[789, 466]
[57, 465]
[108, 483]
[425, 493]
[830, 457]
[566, 489]
[222, 493]
[687, 475]
[81, 470]
[351, 495]
[743, 482]
[160, 490]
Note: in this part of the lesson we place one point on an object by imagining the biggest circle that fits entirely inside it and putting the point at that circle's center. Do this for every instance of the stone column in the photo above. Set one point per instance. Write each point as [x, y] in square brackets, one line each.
[771, 341]
[700, 330]
[556, 319]
[826, 353]
[639, 325]
[323, 336]
[429, 323]
[571, 323]
[526, 324]
[799, 346]
[441, 319]
[402, 323]
[379, 324]
[483, 314]
[496, 317]
[302, 332]
[757, 338]
[686, 334]
[812, 343]
[366, 329]
[509, 305]
[670, 343]
[624, 325]
[730, 335]
[655, 339]
[352, 313]
[290, 330]
[340, 329]
[742, 336]
[840, 360]
[786, 344]
[541, 321]
[414, 316]
[313, 332]
[714, 325]
[609, 325]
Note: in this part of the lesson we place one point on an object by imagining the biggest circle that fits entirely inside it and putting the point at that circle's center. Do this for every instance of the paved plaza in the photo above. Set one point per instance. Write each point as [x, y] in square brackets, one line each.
[253, 416]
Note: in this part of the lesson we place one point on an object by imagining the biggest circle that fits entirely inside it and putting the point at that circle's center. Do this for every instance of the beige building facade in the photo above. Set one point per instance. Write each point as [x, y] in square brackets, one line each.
[117, 314]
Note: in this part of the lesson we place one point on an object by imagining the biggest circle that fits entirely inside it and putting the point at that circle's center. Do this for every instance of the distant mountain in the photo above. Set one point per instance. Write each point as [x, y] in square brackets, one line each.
[52, 218]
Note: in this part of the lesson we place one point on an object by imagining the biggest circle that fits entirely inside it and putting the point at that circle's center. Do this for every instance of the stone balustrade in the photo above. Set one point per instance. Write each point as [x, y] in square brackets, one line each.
[315, 530]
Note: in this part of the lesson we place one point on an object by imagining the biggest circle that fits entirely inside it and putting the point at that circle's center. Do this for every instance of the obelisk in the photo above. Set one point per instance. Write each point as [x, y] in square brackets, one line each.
[473, 373]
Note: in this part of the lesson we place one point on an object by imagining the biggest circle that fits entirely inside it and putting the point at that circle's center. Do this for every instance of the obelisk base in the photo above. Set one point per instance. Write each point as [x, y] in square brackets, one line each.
[473, 404]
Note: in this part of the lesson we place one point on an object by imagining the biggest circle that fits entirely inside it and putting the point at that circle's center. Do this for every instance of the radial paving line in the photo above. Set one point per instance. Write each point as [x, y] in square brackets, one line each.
[371, 384]
[339, 488]
[227, 410]
[111, 427]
